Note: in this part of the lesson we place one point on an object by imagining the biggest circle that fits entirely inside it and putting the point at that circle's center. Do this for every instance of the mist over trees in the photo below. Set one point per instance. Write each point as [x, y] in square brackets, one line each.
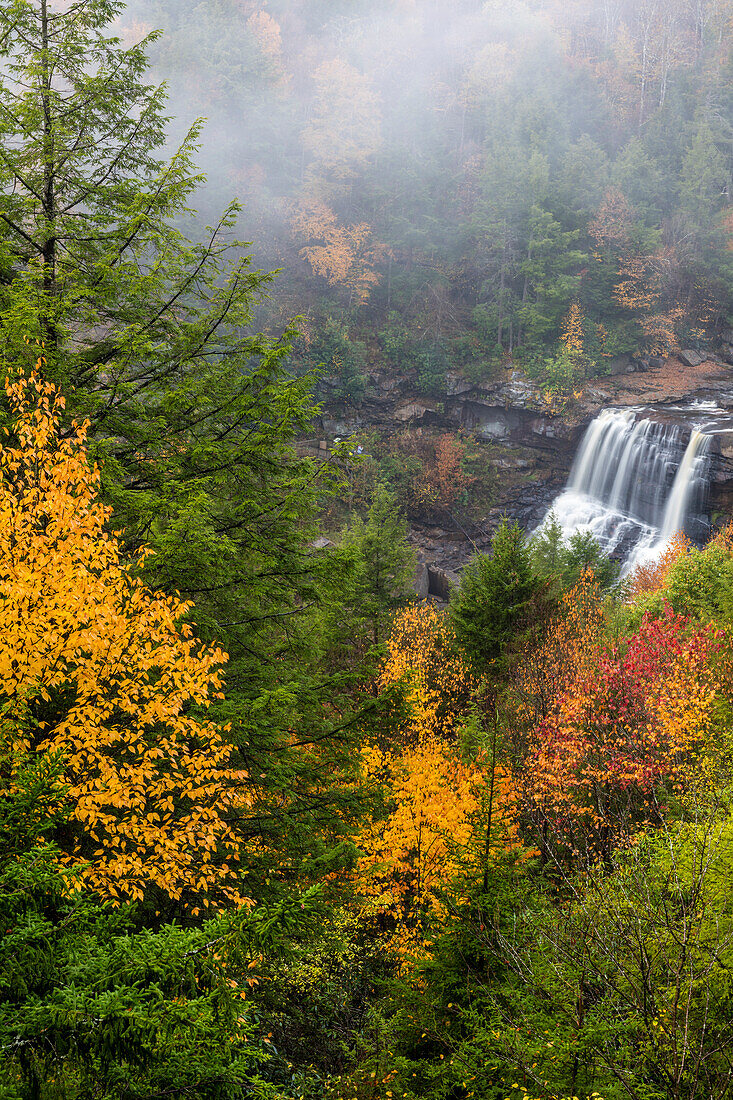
[274, 822]
[448, 176]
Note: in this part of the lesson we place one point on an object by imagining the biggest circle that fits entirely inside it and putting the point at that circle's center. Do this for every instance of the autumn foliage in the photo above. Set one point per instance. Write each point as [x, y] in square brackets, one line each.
[421, 655]
[563, 656]
[621, 730]
[572, 331]
[96, 667]
[651, 576]
[435, 797]
[440, 476]
[346, 256]
[416, 848]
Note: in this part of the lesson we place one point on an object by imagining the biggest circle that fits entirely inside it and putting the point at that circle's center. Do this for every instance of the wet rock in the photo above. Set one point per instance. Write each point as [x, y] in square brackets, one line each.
[495, 427]
[456, 384]
[334, 428]
[726, 447]
[514, 463]
[520, 392]
[441, 582]
[389, 385]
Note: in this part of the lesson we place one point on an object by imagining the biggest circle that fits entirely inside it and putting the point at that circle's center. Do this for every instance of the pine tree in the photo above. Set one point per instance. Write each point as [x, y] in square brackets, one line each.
[193, 415]
[493, 596]
[383, 560]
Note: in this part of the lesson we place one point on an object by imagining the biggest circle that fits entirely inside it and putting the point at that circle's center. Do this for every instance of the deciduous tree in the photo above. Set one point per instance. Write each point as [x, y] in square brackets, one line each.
[97, 669]
[422, 655]
[625, 724]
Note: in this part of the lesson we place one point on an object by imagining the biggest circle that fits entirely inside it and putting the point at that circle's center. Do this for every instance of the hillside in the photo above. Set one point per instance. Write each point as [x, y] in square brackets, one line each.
[288, 810]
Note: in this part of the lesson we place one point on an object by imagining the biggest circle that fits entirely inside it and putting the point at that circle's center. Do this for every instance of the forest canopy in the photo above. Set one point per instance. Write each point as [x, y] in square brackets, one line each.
[545, 169]
[277, 818]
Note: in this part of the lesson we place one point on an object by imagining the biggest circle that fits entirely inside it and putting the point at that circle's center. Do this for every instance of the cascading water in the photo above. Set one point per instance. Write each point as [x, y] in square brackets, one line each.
[634, 484]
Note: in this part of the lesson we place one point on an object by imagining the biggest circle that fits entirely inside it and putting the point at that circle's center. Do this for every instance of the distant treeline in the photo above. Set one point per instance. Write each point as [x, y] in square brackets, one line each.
[453, 184]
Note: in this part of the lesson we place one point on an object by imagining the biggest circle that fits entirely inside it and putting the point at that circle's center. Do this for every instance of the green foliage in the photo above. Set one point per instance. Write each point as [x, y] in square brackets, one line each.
[194, 414]
[432, 364]
[319, 1002]
[340, 358]
[558, 374]
[395, 342]
[550, 271]
[488, 607]
[705, 175]
[382, 562]
[90, 1003]
[480, 204]
[554, 559]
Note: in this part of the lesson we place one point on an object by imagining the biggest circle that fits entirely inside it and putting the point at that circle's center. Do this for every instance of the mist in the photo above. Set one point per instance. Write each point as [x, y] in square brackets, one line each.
[391, 156]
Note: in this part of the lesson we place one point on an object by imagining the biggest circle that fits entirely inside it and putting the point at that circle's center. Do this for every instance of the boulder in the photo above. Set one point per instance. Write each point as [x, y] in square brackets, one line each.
[691, 358]
[421, 581]
[320, 544]
[441, 582]
[622, 364]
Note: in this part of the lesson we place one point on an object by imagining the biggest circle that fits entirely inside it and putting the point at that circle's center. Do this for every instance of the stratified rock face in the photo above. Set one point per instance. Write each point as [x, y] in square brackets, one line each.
[533, 442]
[421, 582]
[416, 412]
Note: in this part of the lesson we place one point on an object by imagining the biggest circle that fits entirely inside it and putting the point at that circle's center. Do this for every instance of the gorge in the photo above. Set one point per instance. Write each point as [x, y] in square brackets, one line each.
[634, 455]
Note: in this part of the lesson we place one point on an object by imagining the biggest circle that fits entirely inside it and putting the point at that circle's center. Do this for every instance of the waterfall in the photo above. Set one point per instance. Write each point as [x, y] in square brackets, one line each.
[633, 484]
[691, 480]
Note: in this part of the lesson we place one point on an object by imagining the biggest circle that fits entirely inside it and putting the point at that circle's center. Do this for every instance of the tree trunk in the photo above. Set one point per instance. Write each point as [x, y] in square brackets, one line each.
[48, 243]
[487, 839]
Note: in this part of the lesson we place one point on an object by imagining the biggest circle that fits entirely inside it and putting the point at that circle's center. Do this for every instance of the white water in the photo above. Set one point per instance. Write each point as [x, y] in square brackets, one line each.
[633, 486]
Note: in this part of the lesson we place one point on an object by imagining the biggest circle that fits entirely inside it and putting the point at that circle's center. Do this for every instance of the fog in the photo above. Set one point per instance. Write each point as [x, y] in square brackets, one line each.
[372, 145]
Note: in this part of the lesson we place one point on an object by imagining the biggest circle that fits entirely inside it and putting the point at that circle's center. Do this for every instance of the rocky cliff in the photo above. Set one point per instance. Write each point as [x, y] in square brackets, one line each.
[533, 438]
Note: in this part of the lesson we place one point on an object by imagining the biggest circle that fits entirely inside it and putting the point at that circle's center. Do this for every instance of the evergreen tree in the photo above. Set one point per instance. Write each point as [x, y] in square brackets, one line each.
[550, 279]
[493, 596]
[563, 563]
[383, 562]
[583, 553]
[193, 415]
[547, 548]
[91, 1004]
[705, 178]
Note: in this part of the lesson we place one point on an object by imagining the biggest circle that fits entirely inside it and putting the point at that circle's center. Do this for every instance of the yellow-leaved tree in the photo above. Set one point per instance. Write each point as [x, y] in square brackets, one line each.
[98, 669]
[437, 800]
[418, 847]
